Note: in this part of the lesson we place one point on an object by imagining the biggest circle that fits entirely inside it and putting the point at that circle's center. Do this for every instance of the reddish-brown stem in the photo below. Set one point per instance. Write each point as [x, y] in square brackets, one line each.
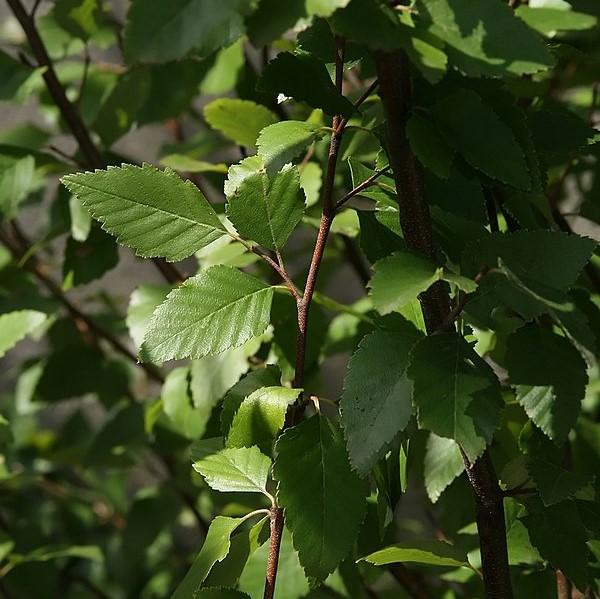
[564, 588]
[395, 91]
[303, 302]
[276, 517]
[70, 113]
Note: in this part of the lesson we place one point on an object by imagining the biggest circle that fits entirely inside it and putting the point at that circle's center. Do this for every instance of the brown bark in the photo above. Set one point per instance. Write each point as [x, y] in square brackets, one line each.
[415, 220]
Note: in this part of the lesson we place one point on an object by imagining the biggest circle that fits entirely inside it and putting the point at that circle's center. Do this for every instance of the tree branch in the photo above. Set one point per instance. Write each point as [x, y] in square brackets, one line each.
[69, 112]
[21, 250]
[415, 220]
[303, 303]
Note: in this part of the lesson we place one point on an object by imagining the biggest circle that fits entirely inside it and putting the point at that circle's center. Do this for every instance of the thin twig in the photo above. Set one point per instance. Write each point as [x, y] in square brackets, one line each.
[361, 187]
[35, 267]
[70, 114]
[84, 76]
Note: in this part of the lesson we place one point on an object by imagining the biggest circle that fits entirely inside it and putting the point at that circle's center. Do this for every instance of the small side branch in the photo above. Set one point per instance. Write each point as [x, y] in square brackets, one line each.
[21, 250]
[70, 113]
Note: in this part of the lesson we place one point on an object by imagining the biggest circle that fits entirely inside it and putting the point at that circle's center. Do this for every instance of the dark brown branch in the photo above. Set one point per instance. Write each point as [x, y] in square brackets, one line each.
[69, 112]
[411, 581]
[21, 249]
[415, 220]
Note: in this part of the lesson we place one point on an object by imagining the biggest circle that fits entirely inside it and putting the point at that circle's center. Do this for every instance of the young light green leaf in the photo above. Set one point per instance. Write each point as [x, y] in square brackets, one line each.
[486, 142]
[212, 376]
[238, 173]
[154, 212]
[260, 416]
[267, 210]
[443, 463]
[177, 404]
[238, 120]
[215, 549]
[15, 326]
[550, 21]
[142, 303]
[456, 393]
[400, 278]
[238, 469]
[280, 143]
[219, 309]
[425, 551]
[551, 387]
[324, 8]
[376, 401]
[313, 474]
[81, 18]
[309, 83]
[481, 48]
[244, 544]
[270, 376]
[158, 31]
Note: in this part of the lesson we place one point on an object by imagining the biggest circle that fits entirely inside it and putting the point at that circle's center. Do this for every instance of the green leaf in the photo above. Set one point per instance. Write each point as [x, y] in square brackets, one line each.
[177, 404]
[52, 552]
[551, 386]
[88, 260]
[159, 32]
[476, 41]
[550, 21]
[555, 483]
[121, 110]
[443, 463]
[267, 210]
[400, 278]
[559, 535]
[306, 79]
[212, 376]
[376, 401]
[429, 146]
[371, 23]
[486, 142]
[260, 416]
[244, 544]
[219, 309]
[142, 303]
[15, 326]
[80, 18]
[239, 469]
[314, 474]
[280, 143]
[270, 376]
[155, 212]
[13, 75]
[215, 549]
[541, 259]
[324, 8]
[456, 393]
[238, 120]
[423, 551]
